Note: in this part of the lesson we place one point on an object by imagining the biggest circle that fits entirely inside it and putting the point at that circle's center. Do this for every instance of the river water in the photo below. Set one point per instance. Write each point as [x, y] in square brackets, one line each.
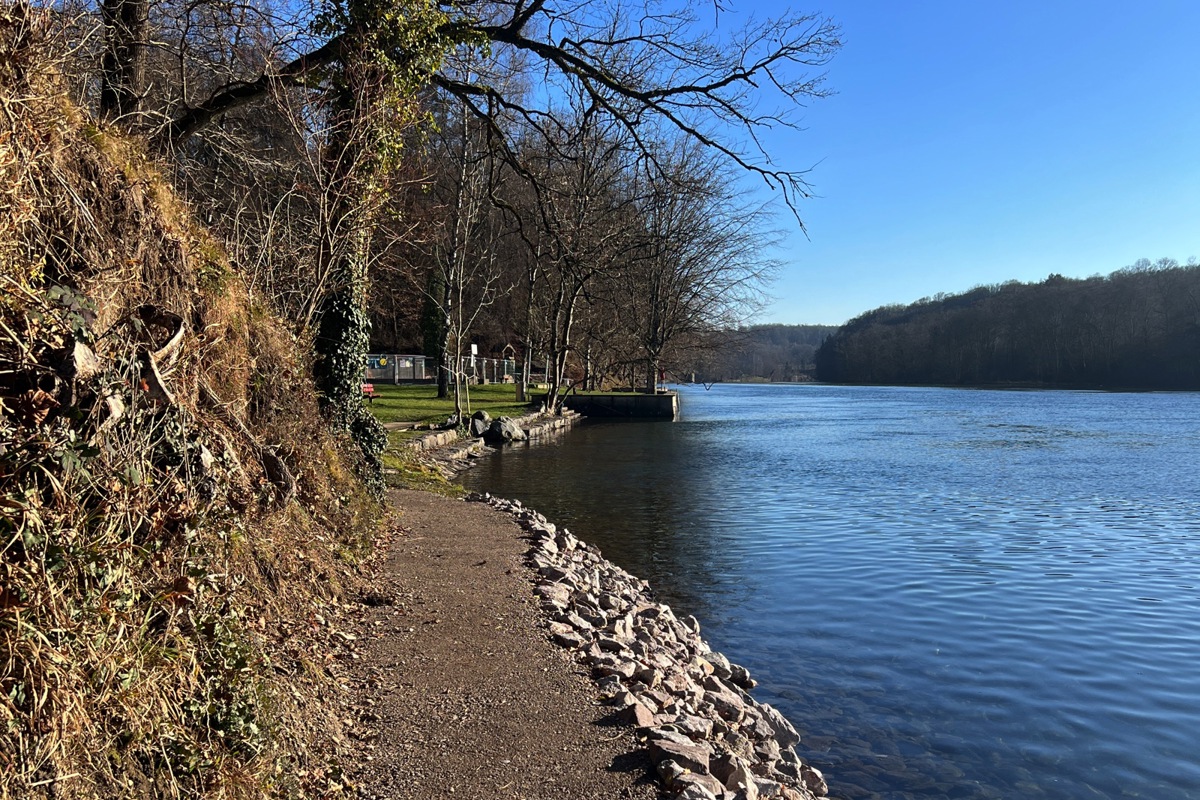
[951, 593]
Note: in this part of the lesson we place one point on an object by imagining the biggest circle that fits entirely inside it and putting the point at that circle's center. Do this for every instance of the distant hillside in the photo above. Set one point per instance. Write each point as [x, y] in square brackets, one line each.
[767, 353]
[1138, 328]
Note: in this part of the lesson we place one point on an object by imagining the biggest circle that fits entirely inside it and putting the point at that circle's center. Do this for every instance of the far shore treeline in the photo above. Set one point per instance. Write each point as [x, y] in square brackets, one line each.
[1138, 328]
[762, 353]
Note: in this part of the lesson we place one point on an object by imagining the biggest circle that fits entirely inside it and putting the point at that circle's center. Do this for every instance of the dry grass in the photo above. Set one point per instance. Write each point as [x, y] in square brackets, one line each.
[164, 611]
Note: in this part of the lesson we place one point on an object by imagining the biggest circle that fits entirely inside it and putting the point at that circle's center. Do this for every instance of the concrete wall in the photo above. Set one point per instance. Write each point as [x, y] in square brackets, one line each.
[632, 406]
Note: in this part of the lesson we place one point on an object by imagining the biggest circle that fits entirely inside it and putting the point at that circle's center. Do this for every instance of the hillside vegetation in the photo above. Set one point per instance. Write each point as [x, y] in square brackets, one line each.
[775, 353]
[1138, 328]
[175, 532]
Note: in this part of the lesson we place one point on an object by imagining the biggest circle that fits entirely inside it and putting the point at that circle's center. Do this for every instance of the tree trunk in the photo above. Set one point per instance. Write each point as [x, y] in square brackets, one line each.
[523, 378]
[343, 322]
[560, 342]
[527, 358]
[340, 344]
[458, 388]
[123, 65]
[444, 366]
[435, 330]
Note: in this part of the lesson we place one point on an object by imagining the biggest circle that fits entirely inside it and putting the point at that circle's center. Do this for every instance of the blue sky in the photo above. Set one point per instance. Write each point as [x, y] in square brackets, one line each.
[978, 142]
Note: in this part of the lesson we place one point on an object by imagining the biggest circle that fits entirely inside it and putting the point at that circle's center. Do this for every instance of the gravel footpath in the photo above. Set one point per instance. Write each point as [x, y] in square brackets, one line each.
[464, 695]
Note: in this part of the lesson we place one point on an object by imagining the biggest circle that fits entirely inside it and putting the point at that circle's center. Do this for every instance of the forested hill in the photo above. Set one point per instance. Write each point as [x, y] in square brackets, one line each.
[1138, 328]
[777, 353]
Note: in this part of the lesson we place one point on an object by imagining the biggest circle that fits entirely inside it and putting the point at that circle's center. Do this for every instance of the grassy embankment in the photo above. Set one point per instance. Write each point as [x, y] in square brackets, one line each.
[418, 405]
[182, 542]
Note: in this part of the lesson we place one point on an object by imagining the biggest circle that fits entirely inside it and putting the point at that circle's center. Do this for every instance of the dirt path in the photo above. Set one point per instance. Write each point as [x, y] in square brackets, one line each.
[469, 698]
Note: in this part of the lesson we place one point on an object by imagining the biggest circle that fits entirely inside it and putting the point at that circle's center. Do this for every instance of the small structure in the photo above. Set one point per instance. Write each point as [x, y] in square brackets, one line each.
[661, 405]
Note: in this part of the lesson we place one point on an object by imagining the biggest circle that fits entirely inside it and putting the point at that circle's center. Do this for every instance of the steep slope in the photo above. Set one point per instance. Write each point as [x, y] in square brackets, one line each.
[179, 535]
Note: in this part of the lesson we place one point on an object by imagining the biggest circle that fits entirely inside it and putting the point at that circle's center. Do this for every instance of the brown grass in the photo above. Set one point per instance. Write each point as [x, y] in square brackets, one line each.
[165, 621]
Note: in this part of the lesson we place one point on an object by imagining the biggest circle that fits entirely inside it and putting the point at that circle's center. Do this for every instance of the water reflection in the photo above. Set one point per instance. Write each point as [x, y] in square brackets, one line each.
[610, 489]
[955, 594]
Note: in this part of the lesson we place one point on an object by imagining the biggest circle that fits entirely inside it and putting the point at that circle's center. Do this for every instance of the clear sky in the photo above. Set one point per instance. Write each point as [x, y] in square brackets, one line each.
[975, 142]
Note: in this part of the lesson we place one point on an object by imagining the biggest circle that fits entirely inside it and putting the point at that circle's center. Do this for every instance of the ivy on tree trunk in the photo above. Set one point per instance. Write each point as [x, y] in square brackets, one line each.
[343, 337]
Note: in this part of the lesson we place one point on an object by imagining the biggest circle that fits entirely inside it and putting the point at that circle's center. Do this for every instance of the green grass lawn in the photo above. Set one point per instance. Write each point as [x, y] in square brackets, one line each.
[418, 403]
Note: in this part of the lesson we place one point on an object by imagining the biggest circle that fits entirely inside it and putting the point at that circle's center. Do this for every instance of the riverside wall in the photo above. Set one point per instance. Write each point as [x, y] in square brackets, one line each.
[664, 405]
[532, 426]
[707, 737]
[451, 451]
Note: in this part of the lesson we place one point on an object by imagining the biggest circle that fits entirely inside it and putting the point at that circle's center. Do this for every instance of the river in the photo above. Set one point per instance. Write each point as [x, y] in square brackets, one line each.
[951, 593]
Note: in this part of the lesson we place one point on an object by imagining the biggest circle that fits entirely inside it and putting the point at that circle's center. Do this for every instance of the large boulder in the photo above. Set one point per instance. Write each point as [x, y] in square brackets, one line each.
[504, 430]
[665, 745]
[480, 422]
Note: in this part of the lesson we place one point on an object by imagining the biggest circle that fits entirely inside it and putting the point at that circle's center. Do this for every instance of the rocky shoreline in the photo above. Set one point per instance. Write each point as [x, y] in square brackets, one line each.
[452, 451]
[708, 738]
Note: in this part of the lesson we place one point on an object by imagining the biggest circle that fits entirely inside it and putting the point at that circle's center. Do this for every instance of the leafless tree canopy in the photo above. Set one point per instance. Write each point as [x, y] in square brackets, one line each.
[563, 177]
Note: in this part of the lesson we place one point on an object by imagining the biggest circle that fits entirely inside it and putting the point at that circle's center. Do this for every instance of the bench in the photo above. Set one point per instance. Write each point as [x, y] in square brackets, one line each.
[368, 391]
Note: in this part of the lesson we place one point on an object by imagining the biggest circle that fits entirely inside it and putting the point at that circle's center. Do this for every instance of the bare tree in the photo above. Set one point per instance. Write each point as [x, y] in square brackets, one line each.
[464, 255]
[583, 212]
[700, 264]
[630, 77]
[656, 67]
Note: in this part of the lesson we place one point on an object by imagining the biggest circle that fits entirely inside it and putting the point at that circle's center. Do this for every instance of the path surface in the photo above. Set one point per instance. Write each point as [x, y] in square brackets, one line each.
[469, 697]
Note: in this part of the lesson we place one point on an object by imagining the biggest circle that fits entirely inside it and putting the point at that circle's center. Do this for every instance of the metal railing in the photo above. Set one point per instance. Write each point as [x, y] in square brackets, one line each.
[406, 368]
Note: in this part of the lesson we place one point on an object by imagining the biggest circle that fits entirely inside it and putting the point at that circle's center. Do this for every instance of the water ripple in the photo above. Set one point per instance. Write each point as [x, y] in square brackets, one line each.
[955, 594]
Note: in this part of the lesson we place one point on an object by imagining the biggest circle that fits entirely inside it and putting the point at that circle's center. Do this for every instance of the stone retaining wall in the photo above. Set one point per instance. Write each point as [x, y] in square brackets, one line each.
[535, 425]
[546, 424]
[451, 451]
[432, 441]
